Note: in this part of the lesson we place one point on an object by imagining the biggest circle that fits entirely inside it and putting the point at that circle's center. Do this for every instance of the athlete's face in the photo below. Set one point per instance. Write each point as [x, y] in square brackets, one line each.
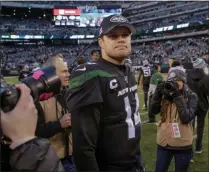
[116, 44]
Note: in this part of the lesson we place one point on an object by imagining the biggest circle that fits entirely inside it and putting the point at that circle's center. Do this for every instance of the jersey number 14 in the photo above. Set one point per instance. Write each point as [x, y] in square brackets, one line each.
[132, 123]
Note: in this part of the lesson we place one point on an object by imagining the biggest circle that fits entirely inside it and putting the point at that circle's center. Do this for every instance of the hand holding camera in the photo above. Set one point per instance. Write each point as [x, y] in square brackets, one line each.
[21, 122]
[160, 87]
[168, 89]
[65, 121]
[42, 81]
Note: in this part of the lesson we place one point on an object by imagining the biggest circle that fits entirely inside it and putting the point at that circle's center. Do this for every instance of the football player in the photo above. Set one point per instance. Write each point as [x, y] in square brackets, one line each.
[144, 79]
[104, 105]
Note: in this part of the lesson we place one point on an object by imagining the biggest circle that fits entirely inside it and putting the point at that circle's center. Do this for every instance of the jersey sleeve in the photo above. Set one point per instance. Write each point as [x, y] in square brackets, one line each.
[84, 88]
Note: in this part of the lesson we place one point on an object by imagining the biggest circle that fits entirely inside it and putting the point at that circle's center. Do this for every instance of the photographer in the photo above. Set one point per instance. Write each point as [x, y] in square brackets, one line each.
[176, 104]
[54, 121]
[29, 153]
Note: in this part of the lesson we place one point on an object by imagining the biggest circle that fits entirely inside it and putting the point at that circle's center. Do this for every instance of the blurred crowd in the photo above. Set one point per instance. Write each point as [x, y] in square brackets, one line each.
[38, 26]
[158, 52]
[45, 27]
[180, 48]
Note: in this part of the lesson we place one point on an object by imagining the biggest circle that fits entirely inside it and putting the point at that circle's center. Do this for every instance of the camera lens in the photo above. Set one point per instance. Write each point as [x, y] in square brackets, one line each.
[42, 81]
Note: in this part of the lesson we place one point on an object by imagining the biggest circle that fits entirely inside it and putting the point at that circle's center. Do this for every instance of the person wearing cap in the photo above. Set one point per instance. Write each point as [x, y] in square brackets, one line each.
[104, 105]
[176, 104]
[144, 80]
[54, 120]
[198, 81]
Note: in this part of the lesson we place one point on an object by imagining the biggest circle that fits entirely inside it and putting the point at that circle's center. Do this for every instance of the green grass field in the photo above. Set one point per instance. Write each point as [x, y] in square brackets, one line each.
[148, 142]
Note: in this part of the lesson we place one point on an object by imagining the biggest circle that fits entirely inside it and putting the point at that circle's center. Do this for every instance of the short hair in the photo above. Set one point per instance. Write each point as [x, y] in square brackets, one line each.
[155, 67]
[58, 55]
[95, 51]
[80, 60]
[176, 63]
[51, 61]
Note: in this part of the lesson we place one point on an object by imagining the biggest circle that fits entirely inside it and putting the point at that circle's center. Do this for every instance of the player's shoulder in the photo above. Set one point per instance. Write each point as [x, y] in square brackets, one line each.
[86, 72]
[84, 68]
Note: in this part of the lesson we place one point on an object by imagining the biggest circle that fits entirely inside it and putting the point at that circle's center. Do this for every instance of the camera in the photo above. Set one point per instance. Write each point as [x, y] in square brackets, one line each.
[42, 81]
[169, 85]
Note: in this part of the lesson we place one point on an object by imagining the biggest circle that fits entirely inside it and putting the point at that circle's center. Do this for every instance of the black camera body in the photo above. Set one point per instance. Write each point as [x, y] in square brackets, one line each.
[42, 81]
[170, 85]
[168, 89]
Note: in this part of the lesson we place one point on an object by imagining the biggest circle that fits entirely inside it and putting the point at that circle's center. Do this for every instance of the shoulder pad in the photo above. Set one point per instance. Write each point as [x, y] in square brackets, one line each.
[83, 68]
[86, 72]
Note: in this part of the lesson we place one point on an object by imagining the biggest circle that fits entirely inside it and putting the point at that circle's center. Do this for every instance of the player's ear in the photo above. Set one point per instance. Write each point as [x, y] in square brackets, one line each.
[101, 43]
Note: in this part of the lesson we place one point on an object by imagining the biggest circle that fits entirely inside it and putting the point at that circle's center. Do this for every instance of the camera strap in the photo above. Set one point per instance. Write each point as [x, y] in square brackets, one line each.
[60, 100]
[40, 110]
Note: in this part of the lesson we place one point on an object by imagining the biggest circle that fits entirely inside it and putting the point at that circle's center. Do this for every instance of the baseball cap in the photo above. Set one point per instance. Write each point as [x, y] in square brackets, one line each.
[113, 21]
[177, 73]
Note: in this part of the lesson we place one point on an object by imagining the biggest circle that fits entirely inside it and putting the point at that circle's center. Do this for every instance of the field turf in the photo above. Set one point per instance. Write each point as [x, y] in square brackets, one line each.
[148, 142]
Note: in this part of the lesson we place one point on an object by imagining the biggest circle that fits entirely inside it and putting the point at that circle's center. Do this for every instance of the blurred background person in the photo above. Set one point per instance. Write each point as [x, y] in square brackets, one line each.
[155, 79]
[197, 79]
[80, 60]
[35, 66]
[95, 55]
[24, 73]
[144, 80]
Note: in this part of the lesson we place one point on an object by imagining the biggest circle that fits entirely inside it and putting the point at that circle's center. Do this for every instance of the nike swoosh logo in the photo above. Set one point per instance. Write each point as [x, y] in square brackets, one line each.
[82, 69]
[91, 63]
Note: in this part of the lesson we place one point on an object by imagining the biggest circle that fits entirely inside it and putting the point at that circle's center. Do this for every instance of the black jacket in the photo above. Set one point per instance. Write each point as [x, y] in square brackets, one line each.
[186, 110]
[48, 129]
[198, 82]
[35, 155]
[106, 127]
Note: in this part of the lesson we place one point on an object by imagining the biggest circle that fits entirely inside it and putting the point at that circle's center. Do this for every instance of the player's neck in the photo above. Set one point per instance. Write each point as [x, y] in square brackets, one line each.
[111, 60]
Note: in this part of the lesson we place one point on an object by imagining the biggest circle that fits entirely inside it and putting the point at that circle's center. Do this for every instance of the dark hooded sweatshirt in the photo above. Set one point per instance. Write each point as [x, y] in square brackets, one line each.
[198, 82]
